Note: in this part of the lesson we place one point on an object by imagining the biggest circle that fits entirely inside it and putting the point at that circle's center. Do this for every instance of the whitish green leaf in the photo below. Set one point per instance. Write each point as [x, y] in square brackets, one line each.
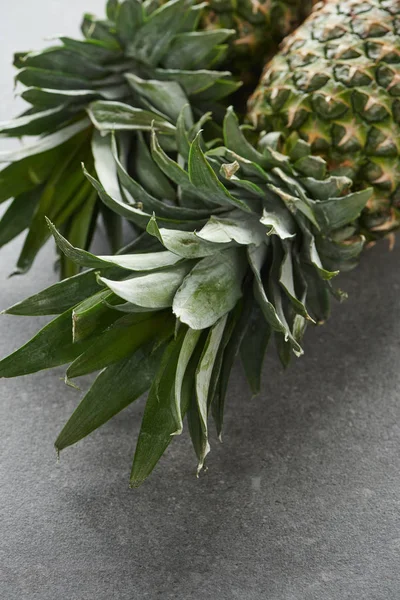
[211, 289]
[275, 293]
[117, 116]
[132, 262]
[257, 256]
[185, 244]
[203, 177]
[331, 187]
[192, 82]
[115, 388]
[48, 98]
[318, 296]
[235, 226]
[150, 204]
[188, 347]
[311, 254]
[286, 280]
[154, 290]
[295, 204]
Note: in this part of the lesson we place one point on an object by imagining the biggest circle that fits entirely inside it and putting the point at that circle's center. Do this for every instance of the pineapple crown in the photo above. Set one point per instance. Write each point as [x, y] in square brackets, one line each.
[244, 245]
[135, 56]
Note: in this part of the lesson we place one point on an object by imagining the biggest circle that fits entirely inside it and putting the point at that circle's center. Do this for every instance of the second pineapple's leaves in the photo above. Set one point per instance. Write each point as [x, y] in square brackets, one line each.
[115, 388]
[50, 347]
[153, 290]
[211, 289]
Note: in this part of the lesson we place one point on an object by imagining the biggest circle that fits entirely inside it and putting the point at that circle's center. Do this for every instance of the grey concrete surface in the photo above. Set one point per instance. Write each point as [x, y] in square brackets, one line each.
[301, 502]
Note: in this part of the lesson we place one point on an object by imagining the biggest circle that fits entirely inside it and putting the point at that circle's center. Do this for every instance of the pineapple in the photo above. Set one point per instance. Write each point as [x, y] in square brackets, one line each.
[335, 83]
[241, 244]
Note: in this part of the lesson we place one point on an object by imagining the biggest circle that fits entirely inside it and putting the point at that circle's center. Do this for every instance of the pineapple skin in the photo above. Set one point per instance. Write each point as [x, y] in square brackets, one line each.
[260, 25]
[336, 83]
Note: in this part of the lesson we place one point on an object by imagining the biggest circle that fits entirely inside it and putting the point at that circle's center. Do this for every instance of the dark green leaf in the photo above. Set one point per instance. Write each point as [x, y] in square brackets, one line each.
[124, 336]
[190, 50]
[50, 347]
[160, 420]
[18, 215]
[59, 297]
[253, 347]
[114, 389]
[166, 96]
[129, 18]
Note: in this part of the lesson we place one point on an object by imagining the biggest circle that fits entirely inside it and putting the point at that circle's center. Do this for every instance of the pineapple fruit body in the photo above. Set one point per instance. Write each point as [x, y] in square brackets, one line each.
[259, 24]
[336, 83]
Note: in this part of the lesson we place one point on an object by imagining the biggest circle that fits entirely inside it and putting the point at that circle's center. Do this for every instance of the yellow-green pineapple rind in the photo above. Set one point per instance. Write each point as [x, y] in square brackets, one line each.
[336, 82]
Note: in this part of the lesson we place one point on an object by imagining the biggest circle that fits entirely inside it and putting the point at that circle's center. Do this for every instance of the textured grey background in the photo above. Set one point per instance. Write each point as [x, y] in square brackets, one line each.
[301, 502]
